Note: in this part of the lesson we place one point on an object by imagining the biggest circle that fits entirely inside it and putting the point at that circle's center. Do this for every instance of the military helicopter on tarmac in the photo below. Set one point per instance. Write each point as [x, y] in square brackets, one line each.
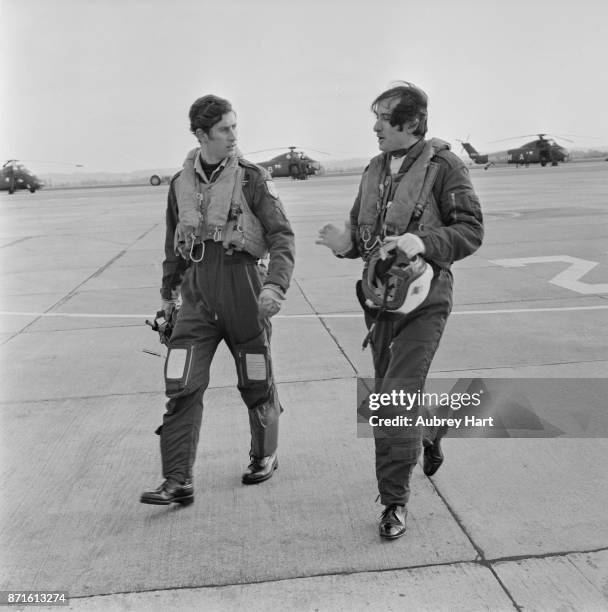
[541, 151]
[14, 175]
[293, 163]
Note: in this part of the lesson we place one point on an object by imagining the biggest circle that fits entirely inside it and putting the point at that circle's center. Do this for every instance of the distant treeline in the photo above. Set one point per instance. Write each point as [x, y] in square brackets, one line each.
[587, 153]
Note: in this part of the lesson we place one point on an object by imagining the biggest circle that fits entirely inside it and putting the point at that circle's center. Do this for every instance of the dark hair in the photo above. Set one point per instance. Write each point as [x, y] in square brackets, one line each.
[412, 105]
[207, 111]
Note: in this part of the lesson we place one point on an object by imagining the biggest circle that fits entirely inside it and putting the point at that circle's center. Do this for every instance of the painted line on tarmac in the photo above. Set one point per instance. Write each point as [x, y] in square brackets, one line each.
[77, 315]
[354, 315]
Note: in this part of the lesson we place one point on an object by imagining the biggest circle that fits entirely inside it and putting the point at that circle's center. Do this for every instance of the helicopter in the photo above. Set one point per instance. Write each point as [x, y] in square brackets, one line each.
[295, 164]
[541, 151]
[14, 175]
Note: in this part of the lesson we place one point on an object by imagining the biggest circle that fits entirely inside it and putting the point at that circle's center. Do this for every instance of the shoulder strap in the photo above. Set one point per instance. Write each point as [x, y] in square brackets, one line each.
[235, 202]
[429, 181]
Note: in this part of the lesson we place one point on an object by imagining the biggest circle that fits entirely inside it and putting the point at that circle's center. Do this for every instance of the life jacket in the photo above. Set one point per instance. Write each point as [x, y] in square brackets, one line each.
[391, 282]
[413, 199]
[216, 211]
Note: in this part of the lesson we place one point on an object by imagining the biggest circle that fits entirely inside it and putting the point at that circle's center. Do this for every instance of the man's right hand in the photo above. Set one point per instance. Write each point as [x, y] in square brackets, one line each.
[168, 306]
[339, 241]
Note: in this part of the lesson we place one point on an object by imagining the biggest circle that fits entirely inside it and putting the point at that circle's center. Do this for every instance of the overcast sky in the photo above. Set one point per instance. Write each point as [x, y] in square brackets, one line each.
[108, 83]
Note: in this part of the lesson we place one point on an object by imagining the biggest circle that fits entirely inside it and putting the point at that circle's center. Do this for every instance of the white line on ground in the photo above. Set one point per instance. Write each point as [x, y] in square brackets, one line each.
[568, 278]
[345, 315]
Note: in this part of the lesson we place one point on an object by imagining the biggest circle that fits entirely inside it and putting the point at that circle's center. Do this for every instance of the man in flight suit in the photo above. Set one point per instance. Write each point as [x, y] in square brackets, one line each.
[223, 218]
[416, 196]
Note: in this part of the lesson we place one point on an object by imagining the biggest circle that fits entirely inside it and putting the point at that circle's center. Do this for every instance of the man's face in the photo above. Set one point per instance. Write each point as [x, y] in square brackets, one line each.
[390, 137]
[220, 142]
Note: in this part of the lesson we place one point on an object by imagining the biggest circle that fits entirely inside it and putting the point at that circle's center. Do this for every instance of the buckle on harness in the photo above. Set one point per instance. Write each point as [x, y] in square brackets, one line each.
[193, 246]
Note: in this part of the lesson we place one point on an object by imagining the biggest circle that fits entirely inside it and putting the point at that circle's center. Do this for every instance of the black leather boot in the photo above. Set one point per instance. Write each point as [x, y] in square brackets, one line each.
[260, 470]
[433, 456]
[392, 522]
[170, 492]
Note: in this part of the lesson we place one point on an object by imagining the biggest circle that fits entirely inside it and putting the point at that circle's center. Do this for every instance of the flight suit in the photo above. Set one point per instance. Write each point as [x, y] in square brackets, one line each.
[449, 223]
[219, 302]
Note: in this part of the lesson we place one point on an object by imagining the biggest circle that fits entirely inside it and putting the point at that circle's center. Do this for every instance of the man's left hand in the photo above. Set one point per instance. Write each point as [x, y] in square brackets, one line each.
[269, 301]
[410, 244]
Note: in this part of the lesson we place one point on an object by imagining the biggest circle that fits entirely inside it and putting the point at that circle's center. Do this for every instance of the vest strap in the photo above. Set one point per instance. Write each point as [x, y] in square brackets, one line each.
[423, 200]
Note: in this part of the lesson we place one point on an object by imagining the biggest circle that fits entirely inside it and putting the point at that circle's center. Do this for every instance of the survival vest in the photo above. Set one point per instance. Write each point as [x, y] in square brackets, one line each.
[413, 200]
[216, 211]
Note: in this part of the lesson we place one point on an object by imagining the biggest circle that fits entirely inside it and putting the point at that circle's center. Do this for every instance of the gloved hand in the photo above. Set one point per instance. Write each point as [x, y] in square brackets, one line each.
[168, 306]
[410, 244]
[269, 300]
[164, 320]
[339, 241]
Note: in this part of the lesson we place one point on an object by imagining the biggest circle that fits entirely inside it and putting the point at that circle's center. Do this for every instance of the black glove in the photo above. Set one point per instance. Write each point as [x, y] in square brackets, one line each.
[164, 324]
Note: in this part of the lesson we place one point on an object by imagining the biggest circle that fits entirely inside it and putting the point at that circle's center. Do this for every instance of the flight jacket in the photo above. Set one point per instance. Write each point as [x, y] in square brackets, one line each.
[269, 211]
[460, 232]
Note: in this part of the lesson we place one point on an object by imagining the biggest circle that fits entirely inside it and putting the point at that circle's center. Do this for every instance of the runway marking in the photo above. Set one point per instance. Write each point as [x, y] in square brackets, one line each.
[569, 278]
[345, 315]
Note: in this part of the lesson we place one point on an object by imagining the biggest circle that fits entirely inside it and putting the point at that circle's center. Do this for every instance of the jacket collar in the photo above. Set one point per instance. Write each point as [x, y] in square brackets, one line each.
[198, 168]
[411, 155]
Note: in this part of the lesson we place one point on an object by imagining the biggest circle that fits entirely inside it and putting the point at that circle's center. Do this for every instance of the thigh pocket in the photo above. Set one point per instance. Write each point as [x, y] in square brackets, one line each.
[253, 362]
[406, 452]
[179, 379]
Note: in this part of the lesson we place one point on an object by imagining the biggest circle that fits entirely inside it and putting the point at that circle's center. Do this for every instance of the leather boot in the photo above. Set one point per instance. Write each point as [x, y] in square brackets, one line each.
[260, 470]
[392, 522]
[433, 456]
[170, 491]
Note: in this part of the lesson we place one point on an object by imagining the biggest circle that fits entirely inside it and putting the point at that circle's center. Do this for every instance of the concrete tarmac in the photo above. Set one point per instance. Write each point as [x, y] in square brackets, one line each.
[510, 522]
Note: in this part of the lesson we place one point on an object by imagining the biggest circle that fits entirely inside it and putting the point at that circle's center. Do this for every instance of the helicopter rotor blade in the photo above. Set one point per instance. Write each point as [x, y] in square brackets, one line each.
[564, 137]
[541, 136]
[46, 161]
[315, 150]
[290, 147]
[265, 150]
[515, 138]
[43, 161]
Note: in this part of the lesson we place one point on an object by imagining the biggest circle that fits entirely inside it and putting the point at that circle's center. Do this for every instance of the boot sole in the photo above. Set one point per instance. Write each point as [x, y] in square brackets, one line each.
[182, 501]
[247, 481]
[393, 537]
[154, 502]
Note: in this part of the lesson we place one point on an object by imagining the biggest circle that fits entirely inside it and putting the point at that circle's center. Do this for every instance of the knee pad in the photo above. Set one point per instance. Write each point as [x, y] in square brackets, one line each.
[253, 363]
[182, 377]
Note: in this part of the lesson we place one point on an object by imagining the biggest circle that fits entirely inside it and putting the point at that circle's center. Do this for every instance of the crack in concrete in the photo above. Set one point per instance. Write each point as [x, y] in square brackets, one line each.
[14, 242]
[481, 563]
[480, 552]
[325, 326]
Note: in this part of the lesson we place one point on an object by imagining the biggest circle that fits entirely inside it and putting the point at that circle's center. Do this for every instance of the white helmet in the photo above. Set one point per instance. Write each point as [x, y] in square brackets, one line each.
[395, 283]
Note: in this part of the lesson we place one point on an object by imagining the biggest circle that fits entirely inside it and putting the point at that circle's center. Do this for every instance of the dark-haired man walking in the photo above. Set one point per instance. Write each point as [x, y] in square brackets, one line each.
[223, 217]
[415, 198]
